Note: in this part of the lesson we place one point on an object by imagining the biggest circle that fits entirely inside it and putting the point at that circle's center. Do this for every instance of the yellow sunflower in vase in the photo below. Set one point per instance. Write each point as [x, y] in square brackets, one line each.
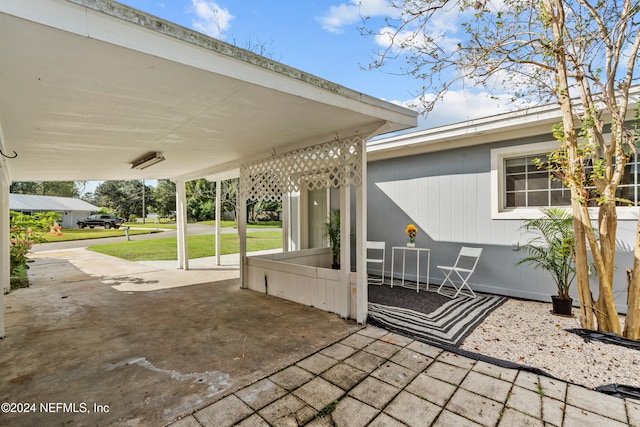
[411, 231]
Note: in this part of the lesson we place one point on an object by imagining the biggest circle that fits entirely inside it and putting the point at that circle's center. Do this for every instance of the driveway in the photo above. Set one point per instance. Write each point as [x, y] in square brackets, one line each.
[101, 341]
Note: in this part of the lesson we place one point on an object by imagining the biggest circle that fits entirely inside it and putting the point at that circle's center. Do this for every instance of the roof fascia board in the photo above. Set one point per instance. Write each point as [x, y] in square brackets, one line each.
[231, 174]
[145, 33]
[363, 132]
[464, 134]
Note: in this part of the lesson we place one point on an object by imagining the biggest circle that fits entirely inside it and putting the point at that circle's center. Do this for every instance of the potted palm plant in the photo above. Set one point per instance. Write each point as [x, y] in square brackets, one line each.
[331, 231]
[553, 249]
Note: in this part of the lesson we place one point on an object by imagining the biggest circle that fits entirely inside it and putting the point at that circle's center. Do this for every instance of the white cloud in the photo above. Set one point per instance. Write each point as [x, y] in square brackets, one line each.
[338, 17]
[442, 29]
[211, 19]
[463, 105]
[387, 37]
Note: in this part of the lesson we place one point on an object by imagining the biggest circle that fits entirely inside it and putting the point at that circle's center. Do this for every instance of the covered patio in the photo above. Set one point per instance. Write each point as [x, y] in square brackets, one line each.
[92, 88]
[138, 345]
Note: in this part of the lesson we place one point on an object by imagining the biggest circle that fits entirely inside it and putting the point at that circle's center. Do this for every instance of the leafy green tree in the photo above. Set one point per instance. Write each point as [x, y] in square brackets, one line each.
[90, 198]
[48, 188]
[201, 195]
[266, 209]
[123, 198]
[164, 198]
[200, 192]
[547, 50]
[31, 187]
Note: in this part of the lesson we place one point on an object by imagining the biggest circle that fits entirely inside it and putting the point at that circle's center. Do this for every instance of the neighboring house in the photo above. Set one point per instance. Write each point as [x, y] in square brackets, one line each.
[471, 184]
[70, 209]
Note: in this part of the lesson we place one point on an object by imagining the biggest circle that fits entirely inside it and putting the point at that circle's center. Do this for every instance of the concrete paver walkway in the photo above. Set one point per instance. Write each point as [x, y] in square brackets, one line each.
[377, 378]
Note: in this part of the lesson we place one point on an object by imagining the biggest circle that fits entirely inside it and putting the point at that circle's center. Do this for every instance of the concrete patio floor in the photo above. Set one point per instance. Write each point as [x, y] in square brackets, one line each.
[100, 341]
[143, 344]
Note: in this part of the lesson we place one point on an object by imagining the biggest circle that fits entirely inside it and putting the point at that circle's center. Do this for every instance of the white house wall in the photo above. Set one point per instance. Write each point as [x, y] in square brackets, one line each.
[70, 219]
[447, 195]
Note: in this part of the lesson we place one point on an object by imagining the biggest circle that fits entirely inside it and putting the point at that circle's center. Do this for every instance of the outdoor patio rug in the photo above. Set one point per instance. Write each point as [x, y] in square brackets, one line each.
[428, 315]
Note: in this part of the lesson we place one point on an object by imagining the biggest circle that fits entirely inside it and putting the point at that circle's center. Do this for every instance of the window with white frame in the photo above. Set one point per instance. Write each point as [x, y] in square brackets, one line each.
[519, 185]
[528, 185]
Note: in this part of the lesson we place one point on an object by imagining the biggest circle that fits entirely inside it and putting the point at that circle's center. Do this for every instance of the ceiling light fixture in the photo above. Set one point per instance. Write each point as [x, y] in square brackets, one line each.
[147, 160]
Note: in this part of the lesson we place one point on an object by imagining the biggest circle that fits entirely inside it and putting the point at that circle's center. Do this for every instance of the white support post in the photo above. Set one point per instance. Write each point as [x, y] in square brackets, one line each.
[242, 235]
[181, 225]
[303, 219]
[362, 289]
[345, 247]
[218, 219]
[5, 273]
[286, 222]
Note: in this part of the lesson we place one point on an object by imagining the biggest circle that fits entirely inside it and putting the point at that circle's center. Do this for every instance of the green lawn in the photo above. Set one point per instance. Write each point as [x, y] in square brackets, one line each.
[223, 224]
[152, 225]
[91, 233]
[234, 224]
[146, 228]
[199, 246]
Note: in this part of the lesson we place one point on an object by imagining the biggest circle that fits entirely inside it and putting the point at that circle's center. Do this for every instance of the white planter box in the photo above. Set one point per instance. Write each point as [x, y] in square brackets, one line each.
[304, 277]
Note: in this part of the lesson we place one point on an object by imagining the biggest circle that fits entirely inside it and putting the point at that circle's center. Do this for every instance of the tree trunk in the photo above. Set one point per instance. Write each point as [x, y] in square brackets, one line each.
[605, 308]
[587, 305]
[606, 311]
[604, 254]
[554, 9]
[632, 325]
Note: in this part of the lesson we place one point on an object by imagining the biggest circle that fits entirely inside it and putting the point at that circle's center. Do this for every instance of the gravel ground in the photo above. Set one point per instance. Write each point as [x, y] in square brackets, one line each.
[526, 333]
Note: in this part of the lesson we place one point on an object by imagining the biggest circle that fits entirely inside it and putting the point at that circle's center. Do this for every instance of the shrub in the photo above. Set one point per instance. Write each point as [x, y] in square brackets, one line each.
[19, 278]
[24, 232]
[553, 247]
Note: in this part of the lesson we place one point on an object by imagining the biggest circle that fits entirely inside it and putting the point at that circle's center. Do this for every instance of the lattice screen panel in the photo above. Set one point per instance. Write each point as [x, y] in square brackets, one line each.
[332, 164]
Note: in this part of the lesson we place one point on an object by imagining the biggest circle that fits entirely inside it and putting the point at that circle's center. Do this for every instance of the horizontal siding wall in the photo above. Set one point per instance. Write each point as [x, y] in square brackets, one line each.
[447, 195]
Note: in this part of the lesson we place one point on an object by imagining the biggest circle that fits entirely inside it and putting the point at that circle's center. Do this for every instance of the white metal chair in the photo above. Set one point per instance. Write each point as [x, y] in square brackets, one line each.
[464, 267]
[375, 255]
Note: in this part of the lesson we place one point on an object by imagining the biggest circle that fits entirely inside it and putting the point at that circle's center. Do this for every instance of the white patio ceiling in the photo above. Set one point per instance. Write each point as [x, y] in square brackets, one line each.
[86, 87]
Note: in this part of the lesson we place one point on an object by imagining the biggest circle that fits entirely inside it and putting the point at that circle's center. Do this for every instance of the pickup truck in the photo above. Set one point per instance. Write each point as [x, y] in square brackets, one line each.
[106, 221]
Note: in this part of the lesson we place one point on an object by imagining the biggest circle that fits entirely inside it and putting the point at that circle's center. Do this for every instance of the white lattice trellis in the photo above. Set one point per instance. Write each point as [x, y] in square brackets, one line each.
[332, 164]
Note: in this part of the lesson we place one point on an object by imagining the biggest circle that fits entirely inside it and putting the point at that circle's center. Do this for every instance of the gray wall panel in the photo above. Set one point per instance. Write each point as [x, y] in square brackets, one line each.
[447, 194]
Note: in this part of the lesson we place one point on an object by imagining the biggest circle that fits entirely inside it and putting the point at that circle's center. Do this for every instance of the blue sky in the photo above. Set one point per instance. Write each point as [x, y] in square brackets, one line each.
[320, 37]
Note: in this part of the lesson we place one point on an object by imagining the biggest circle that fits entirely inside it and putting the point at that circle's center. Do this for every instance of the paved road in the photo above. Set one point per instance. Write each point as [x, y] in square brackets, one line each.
[192, 230]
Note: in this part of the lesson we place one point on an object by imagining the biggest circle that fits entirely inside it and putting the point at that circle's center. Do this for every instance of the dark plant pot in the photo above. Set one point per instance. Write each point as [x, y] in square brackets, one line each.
[335, 266]
[561, 306]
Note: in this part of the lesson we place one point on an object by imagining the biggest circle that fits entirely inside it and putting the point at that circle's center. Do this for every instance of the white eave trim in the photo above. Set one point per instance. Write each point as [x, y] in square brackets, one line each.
[505, 126]
[462, 134]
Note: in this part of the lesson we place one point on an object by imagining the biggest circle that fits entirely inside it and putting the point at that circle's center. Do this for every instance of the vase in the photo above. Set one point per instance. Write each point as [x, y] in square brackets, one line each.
[411, 245]
[561, 306]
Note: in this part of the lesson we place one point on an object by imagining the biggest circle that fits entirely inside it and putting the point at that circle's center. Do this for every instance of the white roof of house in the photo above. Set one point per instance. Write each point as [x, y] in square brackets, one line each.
[29, 202]
[500, 127]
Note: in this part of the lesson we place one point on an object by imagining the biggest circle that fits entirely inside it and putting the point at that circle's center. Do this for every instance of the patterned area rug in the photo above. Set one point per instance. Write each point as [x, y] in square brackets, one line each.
[428, 315]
